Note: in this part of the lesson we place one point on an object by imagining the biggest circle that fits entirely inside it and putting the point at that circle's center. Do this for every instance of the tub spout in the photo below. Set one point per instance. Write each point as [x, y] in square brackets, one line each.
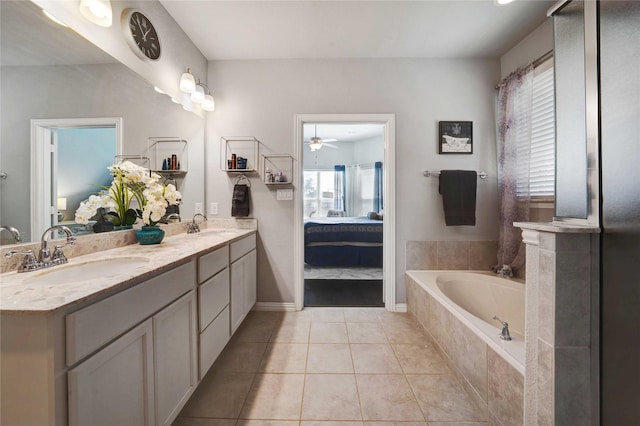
[504, 333]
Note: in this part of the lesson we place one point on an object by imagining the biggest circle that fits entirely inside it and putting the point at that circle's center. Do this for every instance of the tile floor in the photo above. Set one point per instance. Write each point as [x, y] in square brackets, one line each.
[331, 366]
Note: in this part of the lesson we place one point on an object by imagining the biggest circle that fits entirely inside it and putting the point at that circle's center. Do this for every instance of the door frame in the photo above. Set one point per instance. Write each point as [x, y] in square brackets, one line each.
[389, 230]
[43, 172]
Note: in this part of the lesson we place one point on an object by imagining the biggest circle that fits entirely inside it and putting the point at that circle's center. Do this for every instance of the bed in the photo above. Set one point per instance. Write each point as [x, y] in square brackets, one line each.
[343, 241]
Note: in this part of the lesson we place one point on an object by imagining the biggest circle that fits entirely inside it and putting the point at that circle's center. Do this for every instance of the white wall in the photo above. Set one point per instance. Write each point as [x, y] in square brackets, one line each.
[530, 48]
[84, 91]
[261, 98]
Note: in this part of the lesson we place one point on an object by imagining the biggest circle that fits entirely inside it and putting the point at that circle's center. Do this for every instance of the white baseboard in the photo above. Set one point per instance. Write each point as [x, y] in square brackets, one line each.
[274, 306]
[401, 307]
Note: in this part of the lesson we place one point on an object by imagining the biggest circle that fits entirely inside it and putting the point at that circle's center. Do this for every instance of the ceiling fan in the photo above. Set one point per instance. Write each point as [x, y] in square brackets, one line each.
[315, 143]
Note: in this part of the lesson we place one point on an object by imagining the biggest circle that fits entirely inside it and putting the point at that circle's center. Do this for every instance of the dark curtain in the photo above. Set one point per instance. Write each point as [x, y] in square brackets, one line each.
[378, 202]
[339, 188]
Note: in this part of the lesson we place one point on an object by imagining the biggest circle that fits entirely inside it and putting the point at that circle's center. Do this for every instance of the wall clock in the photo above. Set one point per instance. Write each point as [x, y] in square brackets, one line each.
[141, 35]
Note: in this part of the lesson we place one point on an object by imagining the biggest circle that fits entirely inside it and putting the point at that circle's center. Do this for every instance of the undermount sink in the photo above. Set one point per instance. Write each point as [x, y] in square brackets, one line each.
[71, 273]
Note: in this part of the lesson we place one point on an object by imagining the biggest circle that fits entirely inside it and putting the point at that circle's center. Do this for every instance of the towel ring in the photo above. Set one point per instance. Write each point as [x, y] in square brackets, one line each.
[245, 178]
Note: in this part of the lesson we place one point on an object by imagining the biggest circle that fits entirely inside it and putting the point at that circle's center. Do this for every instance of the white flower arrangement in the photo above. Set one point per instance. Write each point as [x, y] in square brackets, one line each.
[131, 182]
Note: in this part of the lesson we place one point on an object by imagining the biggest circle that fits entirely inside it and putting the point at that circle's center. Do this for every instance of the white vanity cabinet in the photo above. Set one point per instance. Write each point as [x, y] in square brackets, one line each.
[243, 279]
[146, 376]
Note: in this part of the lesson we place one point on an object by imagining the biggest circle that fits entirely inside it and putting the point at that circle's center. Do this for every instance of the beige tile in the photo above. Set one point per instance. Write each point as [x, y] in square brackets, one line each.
[546, 296]
[328, 332]
[330, 397]
[329, 358]
[363, 314]
[421, 255]
[291, 332]
[506, 390]
[442, 398]
[275, 397]
[405, 332]
[387, 397]
[453, 255]
[327, 315]
[545, 385]
[459, 424]
[387, 316]
[374, 358]
[329, 423]
[219, 395]
[572, 317]
[303, 315]
[188, 421]
[366, 332]
[254, 331]
[572, 391]
[285, 358]
[440, 327]
[267, 423]
[420, 359]
[469, 354]
[483, 255]
[240, 357]
[417, 302]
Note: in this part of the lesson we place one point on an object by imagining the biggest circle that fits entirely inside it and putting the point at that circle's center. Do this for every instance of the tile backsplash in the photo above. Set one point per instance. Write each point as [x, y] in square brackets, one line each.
[451, 255]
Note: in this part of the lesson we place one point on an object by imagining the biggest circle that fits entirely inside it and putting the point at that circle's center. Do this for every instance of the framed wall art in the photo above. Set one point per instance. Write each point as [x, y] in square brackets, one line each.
[455, 137]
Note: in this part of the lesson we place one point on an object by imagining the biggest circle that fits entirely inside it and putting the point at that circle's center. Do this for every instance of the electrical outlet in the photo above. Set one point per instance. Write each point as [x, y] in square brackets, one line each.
[213, 209]
[199, 208]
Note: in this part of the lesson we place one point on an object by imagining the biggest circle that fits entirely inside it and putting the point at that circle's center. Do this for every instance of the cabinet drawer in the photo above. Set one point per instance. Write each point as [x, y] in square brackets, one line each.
[242, 247]
[213, 297]
[211, 263]
[213, 340]
[92, 327]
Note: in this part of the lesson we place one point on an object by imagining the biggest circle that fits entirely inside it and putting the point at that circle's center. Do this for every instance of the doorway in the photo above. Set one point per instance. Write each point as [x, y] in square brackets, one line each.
[69, 158]
[315, 199]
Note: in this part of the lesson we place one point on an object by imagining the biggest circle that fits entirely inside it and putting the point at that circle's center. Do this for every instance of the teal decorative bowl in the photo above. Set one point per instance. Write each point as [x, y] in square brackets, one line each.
[150, 235]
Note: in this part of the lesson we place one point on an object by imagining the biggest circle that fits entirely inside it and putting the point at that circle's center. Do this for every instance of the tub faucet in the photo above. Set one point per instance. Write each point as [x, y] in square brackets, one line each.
[504, 333]
[45, 257]
[193, 226]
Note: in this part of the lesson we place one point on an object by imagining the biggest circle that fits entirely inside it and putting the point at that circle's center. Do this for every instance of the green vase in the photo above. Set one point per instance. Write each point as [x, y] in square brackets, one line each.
[150, 235]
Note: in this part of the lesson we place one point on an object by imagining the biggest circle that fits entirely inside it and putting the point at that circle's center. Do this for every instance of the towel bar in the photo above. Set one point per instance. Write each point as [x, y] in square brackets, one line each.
[428, 173]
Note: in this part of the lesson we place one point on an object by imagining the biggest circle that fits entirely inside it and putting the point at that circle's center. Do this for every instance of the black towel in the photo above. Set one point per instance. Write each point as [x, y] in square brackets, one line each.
[458, 189]
[240, 201]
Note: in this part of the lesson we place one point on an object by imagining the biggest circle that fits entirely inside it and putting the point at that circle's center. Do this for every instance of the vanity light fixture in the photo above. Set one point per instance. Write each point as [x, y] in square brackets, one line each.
[207, 103]
[97, 11]
[198, 94]
[187, 82]
[54, 19]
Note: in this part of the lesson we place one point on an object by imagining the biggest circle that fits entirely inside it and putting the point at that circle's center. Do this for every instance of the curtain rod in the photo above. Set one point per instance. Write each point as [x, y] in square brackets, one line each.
[535, 63]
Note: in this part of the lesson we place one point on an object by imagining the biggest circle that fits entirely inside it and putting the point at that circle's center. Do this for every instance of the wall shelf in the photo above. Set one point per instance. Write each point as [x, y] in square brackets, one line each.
[235, 148]
[168, 156]
[277, 169]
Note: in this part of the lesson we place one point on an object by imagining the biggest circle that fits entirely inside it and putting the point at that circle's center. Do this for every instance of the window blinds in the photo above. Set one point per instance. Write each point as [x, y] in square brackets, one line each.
[542, 159]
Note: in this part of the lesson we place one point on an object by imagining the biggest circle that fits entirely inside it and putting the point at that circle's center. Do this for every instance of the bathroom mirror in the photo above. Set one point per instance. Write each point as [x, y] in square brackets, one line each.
[50, 72]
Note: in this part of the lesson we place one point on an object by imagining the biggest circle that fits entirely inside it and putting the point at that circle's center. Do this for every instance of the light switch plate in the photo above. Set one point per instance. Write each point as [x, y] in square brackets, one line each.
[199, 208]
[284, 195]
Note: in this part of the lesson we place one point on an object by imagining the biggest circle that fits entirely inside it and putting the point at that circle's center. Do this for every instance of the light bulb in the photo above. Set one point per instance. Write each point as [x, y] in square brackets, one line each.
[187, 82]
[208, 104]
[97, 11]
[198, 94]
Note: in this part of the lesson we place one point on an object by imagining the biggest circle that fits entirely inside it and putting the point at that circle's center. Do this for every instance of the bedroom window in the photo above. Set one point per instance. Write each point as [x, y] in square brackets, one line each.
[318, 192]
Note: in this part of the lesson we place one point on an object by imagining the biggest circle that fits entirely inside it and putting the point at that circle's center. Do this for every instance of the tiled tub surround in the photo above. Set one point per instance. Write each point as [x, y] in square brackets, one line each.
[491, 368]
[562, 340]
[451, 255]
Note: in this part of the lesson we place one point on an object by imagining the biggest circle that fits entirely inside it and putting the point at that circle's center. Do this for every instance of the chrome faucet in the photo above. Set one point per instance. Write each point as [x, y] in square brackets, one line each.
[45, 257]
[170, 217]
[29, 262]
[15, 234]
[193, 226]
[504, 333]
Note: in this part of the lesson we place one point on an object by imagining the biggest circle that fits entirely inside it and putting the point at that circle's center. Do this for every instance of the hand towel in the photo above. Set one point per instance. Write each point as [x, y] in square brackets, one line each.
[240, 201]
[458, 189]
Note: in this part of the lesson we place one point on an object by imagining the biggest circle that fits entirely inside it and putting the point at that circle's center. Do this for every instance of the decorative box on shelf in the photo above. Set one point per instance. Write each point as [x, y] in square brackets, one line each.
[168, 156]
[239, 154]
[277, 169]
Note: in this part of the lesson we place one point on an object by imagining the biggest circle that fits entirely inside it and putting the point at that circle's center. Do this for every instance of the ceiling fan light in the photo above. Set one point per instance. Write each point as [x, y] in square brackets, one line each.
[315, 144]
[209, 103]
[97, 11]
[187, 82]
[198, 94]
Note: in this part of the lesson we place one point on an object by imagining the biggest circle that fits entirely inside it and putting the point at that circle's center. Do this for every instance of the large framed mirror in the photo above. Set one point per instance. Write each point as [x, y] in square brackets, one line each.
[49, 72]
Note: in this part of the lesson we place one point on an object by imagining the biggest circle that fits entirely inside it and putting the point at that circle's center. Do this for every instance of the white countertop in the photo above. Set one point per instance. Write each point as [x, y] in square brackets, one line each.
[17, 296]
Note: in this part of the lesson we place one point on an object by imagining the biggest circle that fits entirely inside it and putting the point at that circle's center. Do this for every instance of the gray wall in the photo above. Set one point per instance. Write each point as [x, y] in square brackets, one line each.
[261, 98]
